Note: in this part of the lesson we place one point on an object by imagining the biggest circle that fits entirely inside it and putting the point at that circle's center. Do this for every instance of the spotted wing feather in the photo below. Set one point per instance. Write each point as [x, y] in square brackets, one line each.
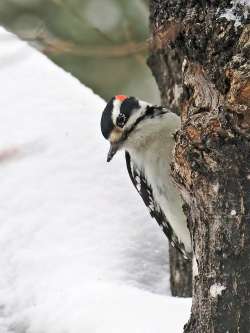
[145, 190]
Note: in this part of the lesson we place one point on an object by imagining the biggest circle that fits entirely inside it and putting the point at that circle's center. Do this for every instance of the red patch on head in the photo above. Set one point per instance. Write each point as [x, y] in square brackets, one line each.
[121, 97]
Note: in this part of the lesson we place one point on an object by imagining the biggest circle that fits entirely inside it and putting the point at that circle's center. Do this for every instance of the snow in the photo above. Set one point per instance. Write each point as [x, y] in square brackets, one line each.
[216, 290]
[195, 268]
[231, 15]
[216, 187]
[79, 252]
[233, 212]
[242, 2]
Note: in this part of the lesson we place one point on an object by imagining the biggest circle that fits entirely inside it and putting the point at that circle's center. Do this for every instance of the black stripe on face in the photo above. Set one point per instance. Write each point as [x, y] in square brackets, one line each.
[150, 113]
[126, 109]
[107, 124]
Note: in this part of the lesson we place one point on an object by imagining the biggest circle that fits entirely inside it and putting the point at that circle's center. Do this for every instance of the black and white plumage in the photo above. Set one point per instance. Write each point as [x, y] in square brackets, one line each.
[145, 132]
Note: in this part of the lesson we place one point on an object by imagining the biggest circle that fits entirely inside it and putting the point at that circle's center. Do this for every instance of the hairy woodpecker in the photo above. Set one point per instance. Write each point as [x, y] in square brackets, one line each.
[145, 132]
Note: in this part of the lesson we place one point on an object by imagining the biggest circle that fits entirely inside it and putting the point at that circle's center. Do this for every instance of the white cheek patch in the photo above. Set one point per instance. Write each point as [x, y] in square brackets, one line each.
[137, 113]
[143, 105]
[116, 110]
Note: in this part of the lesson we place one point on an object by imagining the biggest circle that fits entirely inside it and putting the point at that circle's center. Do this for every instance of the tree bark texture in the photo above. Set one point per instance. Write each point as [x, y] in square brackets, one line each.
[211, 165]
[180, 274]
[165, 64]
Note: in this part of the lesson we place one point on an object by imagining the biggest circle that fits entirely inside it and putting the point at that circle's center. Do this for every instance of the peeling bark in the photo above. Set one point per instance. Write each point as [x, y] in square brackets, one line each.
[212, 156]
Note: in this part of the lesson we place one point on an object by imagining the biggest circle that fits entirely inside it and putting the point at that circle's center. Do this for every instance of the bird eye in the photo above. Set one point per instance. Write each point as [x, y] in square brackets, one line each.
[121, 120]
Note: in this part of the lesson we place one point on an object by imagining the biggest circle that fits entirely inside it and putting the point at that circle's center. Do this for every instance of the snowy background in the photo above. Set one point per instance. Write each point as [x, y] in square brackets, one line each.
[78, 250]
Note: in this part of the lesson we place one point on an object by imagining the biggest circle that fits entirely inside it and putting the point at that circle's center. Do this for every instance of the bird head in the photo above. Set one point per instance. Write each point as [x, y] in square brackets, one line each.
[119, 119]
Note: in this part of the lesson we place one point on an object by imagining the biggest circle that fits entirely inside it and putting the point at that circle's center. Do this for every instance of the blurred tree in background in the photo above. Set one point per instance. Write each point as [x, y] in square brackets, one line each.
[102, 43]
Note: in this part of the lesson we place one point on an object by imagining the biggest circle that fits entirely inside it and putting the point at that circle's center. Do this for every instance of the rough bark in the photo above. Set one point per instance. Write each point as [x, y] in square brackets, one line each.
[166, 64]
[212, 155]
[180, 274]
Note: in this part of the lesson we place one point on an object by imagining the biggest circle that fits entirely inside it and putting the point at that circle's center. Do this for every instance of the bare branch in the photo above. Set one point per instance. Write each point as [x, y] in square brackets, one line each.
[59, 46]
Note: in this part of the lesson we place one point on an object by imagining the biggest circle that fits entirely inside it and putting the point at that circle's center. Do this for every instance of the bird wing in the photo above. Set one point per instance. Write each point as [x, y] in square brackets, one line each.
[145, 190]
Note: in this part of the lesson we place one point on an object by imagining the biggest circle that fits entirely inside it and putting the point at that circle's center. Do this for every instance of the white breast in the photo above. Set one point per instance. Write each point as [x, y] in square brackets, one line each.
[152, 152]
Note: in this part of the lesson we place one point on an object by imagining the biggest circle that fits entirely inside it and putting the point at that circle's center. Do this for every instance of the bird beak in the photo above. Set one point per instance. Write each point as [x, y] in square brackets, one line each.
[112, 151]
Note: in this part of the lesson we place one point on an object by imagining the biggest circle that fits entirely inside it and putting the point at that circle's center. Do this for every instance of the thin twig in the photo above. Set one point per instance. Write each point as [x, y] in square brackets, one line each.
[59, 46]
[115, 51]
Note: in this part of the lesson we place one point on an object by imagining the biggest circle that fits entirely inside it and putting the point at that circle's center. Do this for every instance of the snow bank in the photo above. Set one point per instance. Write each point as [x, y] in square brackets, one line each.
[78, 251]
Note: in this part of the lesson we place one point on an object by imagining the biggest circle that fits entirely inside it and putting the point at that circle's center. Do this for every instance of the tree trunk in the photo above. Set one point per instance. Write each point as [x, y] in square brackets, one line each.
[180, 274]
[166, 64]
[212, 155]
